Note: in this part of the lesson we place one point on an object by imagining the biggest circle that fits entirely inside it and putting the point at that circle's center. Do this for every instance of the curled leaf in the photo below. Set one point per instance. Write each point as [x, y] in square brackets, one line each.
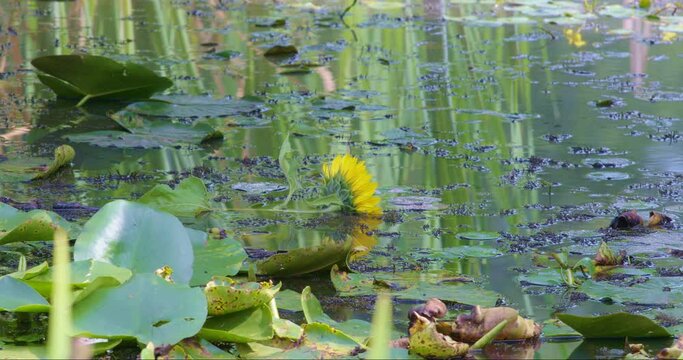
[675, 351]
[64, 154]
[658, 219]
[606, 257]
[626, 220]
[428, 342]
[470, 328]
[225, 296]
[432, 309]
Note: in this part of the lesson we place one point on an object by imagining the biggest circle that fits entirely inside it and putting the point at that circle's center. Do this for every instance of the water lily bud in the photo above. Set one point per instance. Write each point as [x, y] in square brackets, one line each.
[626, 220]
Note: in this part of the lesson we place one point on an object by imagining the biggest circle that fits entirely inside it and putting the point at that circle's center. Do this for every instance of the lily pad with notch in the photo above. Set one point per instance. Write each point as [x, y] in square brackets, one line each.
[617, 325]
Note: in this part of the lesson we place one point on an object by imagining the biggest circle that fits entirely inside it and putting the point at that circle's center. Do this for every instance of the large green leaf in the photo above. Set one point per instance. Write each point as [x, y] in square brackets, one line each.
[189, 198]
[19, 297]
[225, 296]
[650, 292]
[146, 307]
[215, 257]
[617, 325]
[35, 225]
[313, 313]
[137, 237]
[305, 260]
[248, 325]
[88, 76]
[86, 276]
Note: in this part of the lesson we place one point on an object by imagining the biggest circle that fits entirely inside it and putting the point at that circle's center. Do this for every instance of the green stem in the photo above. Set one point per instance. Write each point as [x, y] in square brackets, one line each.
[489, 336]
[347, 9]
[273, 309]
[83, 100]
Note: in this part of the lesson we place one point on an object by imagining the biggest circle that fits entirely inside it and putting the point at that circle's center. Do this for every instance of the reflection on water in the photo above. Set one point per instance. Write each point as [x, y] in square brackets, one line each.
[498, 119]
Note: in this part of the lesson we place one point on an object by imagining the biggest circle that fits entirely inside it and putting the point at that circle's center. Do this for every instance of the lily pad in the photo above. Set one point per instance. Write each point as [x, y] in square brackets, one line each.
[289, 300]
[154, 134]
[248, 325]
[417, 203]
[189, 198]
[64, 154]
[653, 291]
[225, 296]
[313, 312]
[179, 106]
[305, 260]
[467, 251]
[607, 176]
[35, 225]
[479, 235]
[146, 307]
[89, 76]
[19, 297]
[617, 325]
[281, 50]
[542, 277]
[215, 257]
[259, 188]
[406, 136]
[86, 277]
[136, 237]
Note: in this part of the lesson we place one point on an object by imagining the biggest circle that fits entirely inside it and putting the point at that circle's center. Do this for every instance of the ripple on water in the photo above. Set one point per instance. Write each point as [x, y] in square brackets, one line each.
[607, 175]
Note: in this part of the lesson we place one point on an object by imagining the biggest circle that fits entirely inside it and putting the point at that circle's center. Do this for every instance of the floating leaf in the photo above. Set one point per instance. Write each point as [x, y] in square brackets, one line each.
[136, 237]
[88, 76]
[281, 50]
[328, 342]
[225, 54]
[215, 257]
[259, 188]
[154, 134]
[64, 154]
[617, 325]
[286, 329]
[248, 325]
[226, 296]
[196, 348]
[313, 312]
[305, 260]
[289, 300]
[19, 297]
[35, 225]
[653, 291]
[86, 276]
[417, 203]
[183, 106]
[189, 198]
[479, 235]
[428, 342]
[268, 22]
[146, 307]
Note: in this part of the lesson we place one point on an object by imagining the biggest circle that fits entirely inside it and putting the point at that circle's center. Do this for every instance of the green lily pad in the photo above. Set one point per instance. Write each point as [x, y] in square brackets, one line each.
[196, 348]
[88, 76]
[479, 235]
[19, 297]
[406, 137]
[313, 312]
[286, 329]
[215, 257]
[617, 325]
[305, 260]
[64, 154]
[35, 225]
[289, 300]
[86, 276]
[154, 134]
[253, 324]
[137, 237]
[189, 198]
[650, 292]
[542, 277]
[467, 251]
[146, 307]
[182, 106]
[556, 328]
[412, 286]
[225, 296]
[280, 50]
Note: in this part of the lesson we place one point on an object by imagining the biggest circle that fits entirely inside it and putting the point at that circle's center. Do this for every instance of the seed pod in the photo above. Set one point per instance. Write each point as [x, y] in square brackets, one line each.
[626, 220]
[658, 219]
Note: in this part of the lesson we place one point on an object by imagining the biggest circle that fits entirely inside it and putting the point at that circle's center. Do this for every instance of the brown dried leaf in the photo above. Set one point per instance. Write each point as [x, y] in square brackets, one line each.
[626, 220]
[606, 257]
[673, 352]
[470, 328]
[432, 309]
[658, 219]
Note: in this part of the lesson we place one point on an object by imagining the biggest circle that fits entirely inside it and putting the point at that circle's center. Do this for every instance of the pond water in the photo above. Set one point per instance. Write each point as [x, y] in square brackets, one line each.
[471, 116]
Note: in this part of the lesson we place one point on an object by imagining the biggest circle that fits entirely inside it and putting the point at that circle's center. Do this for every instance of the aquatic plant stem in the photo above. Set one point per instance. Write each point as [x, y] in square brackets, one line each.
[58, 339]
[489, 336]
[348, 8]
[83, 100]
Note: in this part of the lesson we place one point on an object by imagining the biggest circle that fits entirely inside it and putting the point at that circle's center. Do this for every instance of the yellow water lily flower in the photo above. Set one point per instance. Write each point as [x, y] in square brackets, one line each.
[669, 36]
[348, 177]
[574, 37]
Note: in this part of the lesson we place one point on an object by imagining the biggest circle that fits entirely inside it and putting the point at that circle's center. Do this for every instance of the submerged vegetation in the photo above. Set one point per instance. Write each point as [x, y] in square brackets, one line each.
[353, 179]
